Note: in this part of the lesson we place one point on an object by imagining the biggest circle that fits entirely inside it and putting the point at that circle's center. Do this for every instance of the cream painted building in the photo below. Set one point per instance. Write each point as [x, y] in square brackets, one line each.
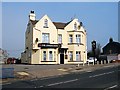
[48, 42]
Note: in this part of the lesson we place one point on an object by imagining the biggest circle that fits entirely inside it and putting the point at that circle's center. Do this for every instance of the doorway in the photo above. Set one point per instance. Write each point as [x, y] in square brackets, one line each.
[61, 58]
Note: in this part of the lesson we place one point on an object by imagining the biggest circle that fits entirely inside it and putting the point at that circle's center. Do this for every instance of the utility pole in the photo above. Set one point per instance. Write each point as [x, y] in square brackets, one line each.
[93, 48]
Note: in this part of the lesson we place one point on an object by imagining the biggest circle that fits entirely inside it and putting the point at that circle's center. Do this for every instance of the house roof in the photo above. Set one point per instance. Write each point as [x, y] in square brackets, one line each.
[34, 22]
[116, 44]
[59, 25]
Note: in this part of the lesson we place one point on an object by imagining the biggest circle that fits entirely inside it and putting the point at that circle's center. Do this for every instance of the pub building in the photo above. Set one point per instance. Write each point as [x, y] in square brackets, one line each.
[48, 42]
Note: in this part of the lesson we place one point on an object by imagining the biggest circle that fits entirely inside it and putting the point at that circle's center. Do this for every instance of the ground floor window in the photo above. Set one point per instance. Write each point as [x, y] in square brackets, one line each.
[44, 55]
[71, 55]
[50, 56]
[78, 56]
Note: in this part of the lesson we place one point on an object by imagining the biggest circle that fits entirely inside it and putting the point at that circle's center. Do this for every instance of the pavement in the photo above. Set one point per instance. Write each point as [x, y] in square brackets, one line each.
[28, 72]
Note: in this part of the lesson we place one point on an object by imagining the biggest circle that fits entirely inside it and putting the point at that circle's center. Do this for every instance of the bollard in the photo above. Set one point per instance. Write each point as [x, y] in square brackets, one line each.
[108, 61]
[78, 65]
[101, 62]
[88, 63]
[83, 64]
[97, 62]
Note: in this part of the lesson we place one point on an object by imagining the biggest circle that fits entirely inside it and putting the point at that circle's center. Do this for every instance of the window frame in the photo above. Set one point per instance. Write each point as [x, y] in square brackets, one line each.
[44, 54]
[75, 26]
[50, 56]
[59, 38]
[71, 55]
[70, 38]
[45, 23]
[45, 39]
[78, 38]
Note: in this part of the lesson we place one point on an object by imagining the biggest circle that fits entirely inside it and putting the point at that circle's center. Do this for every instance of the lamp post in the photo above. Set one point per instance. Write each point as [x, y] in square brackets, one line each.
[93, 48]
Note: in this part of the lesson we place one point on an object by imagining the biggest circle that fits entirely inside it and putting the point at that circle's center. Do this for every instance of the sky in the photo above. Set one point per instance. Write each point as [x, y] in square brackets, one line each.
[100, 19]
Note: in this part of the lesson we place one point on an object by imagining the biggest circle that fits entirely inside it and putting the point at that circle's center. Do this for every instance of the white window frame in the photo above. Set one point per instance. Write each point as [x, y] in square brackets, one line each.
[45, 37]
[78, 38]
[75, 26]
[50, 56]
[70, 38]
[44, 56]
[59, 38]
[78, 56]
[45, 23]
[71, 55]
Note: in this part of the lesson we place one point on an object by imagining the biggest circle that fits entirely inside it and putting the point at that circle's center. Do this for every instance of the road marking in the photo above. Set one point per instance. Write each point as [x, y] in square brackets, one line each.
[6, 83]
[88, 71]
[62, 69]
[54, 84]
[62, 82]
[41, 86]
[110, 87]
[34, 80]
[109, 66]
[101, 74]
[71, 81]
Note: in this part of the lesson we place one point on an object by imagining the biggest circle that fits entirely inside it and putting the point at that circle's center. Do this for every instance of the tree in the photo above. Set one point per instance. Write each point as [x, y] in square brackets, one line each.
[98, 50]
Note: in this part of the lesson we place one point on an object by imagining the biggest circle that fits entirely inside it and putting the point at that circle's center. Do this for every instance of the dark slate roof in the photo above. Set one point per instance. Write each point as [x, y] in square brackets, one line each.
[116, 44]
[34, 22]
[59, 25]
[114, 47]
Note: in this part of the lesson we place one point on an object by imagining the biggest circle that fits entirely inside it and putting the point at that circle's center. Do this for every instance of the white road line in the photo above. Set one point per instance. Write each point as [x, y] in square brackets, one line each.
[6, 83]
[54, 84]
[34, 80]
[110, 87]
[109, 66]
[70, 81]
[101, 74]
[88, 71]
[41, 86]
[62, 82]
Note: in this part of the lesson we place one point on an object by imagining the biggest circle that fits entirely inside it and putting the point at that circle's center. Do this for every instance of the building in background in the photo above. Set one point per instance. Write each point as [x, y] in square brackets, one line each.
[3, 56]
[112, 50]
[48, 42]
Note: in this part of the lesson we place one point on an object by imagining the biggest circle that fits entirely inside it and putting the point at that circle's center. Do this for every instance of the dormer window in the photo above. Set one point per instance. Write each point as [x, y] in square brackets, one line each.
[75, 26]
[46, 23]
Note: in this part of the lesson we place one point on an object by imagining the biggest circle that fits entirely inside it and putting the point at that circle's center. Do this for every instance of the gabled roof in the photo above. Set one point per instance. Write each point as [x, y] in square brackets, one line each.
[59, 25]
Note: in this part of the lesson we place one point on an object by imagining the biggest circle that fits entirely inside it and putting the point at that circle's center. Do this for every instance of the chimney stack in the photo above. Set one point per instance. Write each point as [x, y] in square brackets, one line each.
[32, 16]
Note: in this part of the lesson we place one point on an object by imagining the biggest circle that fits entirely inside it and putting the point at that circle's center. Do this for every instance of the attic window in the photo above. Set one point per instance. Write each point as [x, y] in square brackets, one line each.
[75, 26]
[45, 23]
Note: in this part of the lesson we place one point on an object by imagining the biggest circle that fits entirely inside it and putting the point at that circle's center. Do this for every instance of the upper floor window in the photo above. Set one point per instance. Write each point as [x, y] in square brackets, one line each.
[75, 26]
[45, 23]
[60, 38]
[70, 38]
[45, 38]
[78, 38]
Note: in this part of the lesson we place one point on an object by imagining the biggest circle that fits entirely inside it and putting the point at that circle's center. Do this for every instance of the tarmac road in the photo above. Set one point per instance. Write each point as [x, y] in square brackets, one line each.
[105, 78]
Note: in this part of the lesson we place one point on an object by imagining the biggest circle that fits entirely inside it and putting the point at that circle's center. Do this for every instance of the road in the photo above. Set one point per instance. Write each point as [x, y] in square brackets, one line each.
[105, 78]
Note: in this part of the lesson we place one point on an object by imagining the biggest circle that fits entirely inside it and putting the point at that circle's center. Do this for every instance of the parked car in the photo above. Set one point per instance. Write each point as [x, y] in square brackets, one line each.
[115, 61]
[91, 60]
